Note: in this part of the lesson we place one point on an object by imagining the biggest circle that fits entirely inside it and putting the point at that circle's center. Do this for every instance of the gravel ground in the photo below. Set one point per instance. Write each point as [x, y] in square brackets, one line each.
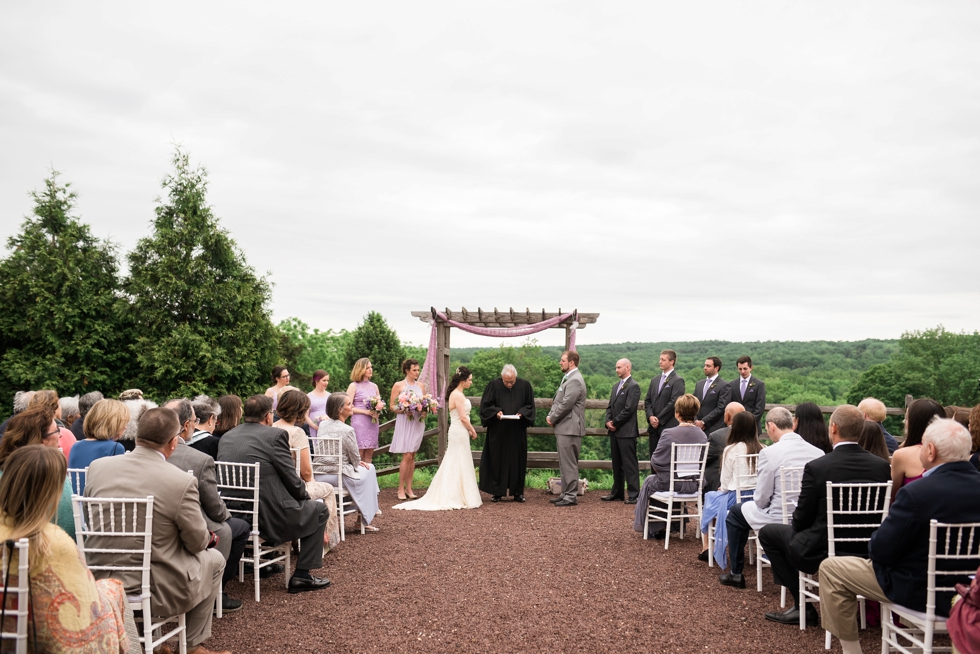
[509, 577]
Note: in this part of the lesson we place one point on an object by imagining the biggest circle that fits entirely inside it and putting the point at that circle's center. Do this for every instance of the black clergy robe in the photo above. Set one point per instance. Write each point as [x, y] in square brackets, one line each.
[503, 464]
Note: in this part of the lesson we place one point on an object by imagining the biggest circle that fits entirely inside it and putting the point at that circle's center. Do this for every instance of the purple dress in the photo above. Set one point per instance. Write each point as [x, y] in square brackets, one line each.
[365, 430]
[408, 430]
[318, 406]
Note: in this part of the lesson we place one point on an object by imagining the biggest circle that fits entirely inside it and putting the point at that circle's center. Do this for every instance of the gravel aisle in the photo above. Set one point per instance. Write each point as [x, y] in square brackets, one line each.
[509, 577]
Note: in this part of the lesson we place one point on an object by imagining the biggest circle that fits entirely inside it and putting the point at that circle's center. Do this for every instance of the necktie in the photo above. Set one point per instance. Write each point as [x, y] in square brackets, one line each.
[744, 383]
[707, 386]
[620, 386]
[663, 379]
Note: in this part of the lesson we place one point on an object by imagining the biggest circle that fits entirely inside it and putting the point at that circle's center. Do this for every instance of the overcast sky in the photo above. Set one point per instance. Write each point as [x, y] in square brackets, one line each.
[711, 170]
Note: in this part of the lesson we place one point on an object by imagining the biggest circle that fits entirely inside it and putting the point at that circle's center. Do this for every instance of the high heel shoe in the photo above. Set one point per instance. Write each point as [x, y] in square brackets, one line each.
[412, 496]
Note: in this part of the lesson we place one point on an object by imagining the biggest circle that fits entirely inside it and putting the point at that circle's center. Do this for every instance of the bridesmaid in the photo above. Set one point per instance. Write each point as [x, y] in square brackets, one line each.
[364, 421]
[318, 399]
[409, 427]
[280, 378]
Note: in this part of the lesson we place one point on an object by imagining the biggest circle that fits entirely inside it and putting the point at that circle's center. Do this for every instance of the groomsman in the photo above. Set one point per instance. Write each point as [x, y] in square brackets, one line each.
[714, 394]
[623, 432]
[659, 402]
[749, 391]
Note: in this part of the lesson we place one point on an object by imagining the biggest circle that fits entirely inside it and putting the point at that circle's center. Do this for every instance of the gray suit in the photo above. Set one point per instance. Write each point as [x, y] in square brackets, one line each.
[185, 575]
[567, 415]
[286, 512]
[215, 512]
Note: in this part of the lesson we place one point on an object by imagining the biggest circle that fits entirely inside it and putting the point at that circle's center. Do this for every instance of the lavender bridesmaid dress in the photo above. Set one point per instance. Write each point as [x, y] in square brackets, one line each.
[365, 430]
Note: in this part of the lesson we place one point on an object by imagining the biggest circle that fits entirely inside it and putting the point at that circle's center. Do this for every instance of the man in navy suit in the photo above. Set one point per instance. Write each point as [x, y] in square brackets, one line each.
[661, 396]
[713, 393]
[899, 549]
[802, 545]
[749, 391]
[623, 432]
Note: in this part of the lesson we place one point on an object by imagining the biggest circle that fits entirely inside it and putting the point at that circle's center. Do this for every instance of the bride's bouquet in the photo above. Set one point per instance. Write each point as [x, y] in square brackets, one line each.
[375, 403]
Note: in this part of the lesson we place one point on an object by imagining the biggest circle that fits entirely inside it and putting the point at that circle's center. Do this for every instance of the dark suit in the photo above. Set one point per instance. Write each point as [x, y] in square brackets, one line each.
[286, 511]
[900, 548]
[712, 411]
[661, 405]
[802, 545]
[754, 399]
[622, 442]
[717, 440]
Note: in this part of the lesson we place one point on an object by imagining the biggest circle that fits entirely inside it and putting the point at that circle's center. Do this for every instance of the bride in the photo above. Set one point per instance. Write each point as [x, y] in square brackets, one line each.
[454, 485]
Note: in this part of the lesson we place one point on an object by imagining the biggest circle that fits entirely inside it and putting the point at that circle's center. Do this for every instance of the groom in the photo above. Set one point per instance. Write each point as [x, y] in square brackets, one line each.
[503, 464]
[567, 416]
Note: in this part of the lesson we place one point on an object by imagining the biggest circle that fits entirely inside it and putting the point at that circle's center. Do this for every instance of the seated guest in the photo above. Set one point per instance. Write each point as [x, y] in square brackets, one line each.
[66, 439]
[29, 492]
[293, 407]
[788, 450]
[717, 442]
[975, 434]
[906, 466]
[69, 412]
[206, 411]
[685, 411]
[899, 549]
[35, 426]
[186, 570]
[230, 415]
[233, 533]
[873, 440]
[136, 410]
[742, 440]
[808, 422]
[875, 411]
[85, 404]
[286, 512]
[360, 478]
[801, 545]
[105, 422]
[22, 400]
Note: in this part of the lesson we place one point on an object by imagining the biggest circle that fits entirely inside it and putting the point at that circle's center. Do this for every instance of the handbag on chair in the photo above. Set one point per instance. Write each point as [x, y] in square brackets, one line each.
[964, 618]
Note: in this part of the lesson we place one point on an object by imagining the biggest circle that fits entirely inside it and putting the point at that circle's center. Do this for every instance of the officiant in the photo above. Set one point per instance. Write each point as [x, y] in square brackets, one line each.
[506, 410]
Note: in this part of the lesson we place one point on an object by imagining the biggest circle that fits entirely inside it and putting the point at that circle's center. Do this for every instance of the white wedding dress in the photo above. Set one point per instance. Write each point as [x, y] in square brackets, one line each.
[454, 485]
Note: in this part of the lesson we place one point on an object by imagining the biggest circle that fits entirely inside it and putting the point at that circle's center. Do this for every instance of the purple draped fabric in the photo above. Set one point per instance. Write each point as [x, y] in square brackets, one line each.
[429, 367]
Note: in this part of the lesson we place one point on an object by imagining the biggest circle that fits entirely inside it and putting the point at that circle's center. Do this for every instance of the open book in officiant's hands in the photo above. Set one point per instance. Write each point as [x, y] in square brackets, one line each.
[513, 417]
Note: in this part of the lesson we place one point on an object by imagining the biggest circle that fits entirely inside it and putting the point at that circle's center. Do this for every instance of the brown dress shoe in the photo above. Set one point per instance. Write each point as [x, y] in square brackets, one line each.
[201, 649]
[163, 649]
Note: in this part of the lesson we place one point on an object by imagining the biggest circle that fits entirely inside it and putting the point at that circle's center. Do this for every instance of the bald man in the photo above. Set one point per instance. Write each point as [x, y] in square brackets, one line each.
[623, 432]
[716, 447]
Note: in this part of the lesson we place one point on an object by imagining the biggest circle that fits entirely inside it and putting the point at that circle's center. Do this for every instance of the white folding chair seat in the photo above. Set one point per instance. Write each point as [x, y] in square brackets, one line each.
[790, 480]
[329, 451]
[850, 506]
[238, 484]
[744, 487]
[18, 594]
[686, 465]
[954, 555]
[131, 521]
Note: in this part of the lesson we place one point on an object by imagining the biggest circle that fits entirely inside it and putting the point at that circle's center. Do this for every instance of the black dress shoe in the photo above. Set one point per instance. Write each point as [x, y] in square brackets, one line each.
[555, 500]
[792, 616]
[564, 502]
[659, 535]
[300, 585]
[611, 498]
[495, 498]
[230, 604]
[271, 570]
[703, 556]
[519, 498]
[733, 580]
[629, 500]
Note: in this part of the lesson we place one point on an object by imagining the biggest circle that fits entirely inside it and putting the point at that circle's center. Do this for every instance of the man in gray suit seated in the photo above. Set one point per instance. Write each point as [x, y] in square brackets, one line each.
[286, 512]
[567, 416]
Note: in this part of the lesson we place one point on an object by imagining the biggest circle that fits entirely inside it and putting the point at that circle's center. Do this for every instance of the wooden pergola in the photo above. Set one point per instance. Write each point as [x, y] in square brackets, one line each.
[481, 318]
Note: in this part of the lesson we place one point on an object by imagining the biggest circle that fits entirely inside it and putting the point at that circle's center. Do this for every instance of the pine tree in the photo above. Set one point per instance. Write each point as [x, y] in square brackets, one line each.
[200, 311]
[62, 317]
[375, 340]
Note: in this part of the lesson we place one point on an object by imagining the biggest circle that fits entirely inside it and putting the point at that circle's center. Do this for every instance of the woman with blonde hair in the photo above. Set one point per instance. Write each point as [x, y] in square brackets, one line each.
[364, 420]
[30, 489]
[293, 407]
[104, 424]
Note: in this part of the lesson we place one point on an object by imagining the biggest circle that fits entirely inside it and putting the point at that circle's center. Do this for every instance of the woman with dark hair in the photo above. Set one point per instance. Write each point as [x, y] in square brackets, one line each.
[360, 477]
[72, 612]
[280, 379]
[742, 439]
[36, 426]
[454, 484]
[409, 425]
[318, 399]
[808, 422]
[364, 420]
[293, 406]
[67, 439]
[906, 467]
[873, 440]
[230, 416]
[685, 410]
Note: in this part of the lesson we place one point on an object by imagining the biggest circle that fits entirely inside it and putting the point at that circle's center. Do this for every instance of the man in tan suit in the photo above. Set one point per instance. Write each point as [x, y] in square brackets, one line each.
[186, 572]
[567, 416]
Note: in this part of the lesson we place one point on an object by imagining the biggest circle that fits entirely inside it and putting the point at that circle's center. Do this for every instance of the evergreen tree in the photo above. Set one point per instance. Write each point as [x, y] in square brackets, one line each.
[200, 311]
[304, 352]
[62, 318]
[375, 340]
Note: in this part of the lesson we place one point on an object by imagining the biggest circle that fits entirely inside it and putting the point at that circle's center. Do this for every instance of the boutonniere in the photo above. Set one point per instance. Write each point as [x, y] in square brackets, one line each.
[751, 384]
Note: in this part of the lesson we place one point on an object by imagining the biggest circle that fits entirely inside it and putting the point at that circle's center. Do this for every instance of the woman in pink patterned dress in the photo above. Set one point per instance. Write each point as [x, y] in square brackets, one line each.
[364, 420]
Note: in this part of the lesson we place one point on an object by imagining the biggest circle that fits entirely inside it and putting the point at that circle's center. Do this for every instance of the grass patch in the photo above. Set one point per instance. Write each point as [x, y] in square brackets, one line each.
[536, 478]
